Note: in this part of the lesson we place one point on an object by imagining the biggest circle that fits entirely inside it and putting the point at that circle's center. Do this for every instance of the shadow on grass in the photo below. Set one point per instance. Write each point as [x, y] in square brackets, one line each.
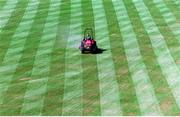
[99, 51]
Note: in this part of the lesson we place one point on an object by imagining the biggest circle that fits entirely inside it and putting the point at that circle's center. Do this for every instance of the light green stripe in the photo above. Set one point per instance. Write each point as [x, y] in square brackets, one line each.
[34, 96]
[2, 3]
[6, 12]
[170, 19]
[177, 2]
[14, 52]
[164, 58]
[143, 86]
[109, 96]
[72, 100]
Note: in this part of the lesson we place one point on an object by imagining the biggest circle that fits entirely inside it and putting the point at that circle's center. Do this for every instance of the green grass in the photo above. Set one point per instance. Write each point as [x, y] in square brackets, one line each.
[120, 61]
[91, 96]
[54, 95]
[159, 83]
[26, 63]
[2, 3]
[45, 75]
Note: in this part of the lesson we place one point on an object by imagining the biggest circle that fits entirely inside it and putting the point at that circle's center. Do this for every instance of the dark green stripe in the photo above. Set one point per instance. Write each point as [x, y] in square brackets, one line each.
[9, 29]
[15, 94]
[91, 96]
[165, 94]
[2, 3]
[169, 37]
[173, 8]
[128, 99]
[55, 87]
[161, 88]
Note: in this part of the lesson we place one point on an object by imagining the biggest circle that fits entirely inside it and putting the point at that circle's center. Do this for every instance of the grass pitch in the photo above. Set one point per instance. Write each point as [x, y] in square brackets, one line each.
[43, 73]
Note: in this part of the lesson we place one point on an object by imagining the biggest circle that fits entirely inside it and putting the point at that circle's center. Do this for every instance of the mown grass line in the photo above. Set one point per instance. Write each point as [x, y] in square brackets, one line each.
[55, 87]
[52, 89]
[12, 58]
[140, 77]
[37, 87]
[91, 96]
[109, 97]
[5, 40]
[164, 58]
[9, 26]
[6, 12]
[173, 8]
[27, 60]
[2, 3]
[177, 3]
[23, 70]
[172, 5]
[127, 98]
[168, 26]
[169, 18]
[73, 91]
[172, 26]
[159, 83]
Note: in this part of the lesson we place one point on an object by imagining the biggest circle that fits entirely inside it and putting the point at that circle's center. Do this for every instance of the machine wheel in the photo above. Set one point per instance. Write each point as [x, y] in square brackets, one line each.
[94, 50]
[82, 51]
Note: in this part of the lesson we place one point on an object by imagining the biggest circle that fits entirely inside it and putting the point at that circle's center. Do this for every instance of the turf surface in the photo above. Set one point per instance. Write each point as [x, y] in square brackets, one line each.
[43, 73]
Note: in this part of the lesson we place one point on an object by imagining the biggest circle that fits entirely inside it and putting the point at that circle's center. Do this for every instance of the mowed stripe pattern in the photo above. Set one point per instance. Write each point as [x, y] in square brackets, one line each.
[26, 58]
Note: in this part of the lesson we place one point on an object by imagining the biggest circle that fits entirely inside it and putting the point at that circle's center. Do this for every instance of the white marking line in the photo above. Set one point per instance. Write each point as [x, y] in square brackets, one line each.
[14, 53]
[109, 96]
[165, 60]
[34, 96]
[143, 86]
[6, 12]
[72, 100]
